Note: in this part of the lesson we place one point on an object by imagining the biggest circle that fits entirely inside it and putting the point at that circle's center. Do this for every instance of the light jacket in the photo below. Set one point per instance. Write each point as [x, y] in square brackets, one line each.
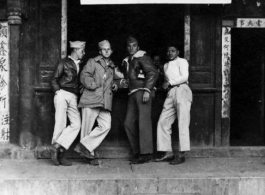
[97, 79]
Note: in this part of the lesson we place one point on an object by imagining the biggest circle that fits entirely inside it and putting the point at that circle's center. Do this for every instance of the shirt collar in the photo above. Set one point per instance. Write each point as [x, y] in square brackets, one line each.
[76, 61]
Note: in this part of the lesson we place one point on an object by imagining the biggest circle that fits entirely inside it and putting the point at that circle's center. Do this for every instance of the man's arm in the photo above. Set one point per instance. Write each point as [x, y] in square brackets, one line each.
[86, 76]
[151, 73]
[57, 75]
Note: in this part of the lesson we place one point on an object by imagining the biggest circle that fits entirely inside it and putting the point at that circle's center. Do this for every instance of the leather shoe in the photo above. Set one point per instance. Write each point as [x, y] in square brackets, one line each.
[54, 150]
[94, 162]
[165, 158]
[177, 160]
[62, 159]
[83, 151]
[142, 159]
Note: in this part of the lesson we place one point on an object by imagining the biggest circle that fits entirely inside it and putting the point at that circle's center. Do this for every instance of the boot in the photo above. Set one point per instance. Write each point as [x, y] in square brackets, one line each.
[54, 150]
[62, 159]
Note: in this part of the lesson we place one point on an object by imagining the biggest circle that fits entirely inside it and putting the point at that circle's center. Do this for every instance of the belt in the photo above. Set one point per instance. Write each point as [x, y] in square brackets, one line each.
[172, 86]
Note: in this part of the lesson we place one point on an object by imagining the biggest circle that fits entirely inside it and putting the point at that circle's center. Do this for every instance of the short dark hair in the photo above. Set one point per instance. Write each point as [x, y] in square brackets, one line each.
[173, 44]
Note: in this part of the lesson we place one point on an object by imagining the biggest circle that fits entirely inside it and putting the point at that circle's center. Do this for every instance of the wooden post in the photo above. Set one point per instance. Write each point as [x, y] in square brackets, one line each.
[64, 29]
[14, 21]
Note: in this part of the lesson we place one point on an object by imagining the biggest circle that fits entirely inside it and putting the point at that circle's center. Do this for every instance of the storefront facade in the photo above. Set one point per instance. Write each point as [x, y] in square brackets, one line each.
[38, 36]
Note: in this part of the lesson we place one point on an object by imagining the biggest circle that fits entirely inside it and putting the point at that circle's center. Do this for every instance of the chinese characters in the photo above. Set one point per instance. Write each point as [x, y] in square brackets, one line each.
[226, 66]
[4, 83]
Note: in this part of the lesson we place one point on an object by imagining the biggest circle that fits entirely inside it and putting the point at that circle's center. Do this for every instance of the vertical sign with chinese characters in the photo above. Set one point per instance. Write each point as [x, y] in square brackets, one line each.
[226, 67]
[4, 82]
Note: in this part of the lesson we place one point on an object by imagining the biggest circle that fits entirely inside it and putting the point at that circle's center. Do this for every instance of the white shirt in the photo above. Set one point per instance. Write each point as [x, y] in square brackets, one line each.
[177, 71]
[76, 63]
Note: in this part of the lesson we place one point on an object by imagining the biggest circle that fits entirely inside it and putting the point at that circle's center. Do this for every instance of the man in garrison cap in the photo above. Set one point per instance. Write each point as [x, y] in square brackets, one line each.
[142, 75]
[66, 86]
[96, 101]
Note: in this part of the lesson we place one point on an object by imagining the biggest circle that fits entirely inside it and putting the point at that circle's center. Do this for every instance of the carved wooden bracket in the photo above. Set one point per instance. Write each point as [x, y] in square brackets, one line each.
[14, 12]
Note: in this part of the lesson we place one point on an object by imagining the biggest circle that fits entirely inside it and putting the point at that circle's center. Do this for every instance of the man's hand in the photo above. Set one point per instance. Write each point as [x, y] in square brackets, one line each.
[114, 87]
[166, 85]
[81, 89]
[146, 97]
[124, 83]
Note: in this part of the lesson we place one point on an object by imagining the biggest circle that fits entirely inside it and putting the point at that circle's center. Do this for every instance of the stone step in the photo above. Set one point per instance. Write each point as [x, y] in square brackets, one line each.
[197, 176]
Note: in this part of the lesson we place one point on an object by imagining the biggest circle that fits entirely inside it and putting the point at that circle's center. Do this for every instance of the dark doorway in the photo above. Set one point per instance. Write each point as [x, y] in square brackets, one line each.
[247, 87]
[154, 26]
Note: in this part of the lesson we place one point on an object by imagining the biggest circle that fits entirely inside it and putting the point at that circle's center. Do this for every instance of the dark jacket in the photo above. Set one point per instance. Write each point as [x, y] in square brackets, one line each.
[65, 76]
[98, 88]
[142, 72]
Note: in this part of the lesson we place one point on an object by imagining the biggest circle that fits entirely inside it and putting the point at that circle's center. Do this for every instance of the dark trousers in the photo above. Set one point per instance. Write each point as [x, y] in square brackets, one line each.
[138, 123]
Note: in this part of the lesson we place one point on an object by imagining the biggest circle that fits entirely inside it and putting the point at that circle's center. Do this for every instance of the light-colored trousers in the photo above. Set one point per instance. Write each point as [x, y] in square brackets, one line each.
[91, 139]
[176, 105]
[66, 106]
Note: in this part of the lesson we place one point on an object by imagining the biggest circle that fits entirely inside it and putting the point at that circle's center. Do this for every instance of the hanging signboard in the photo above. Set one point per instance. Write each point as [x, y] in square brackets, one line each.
[4, 82]
[250, 23]
[95, 2]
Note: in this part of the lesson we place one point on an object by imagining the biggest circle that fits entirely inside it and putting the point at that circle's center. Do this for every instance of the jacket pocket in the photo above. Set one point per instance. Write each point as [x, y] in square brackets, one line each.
[92, 97]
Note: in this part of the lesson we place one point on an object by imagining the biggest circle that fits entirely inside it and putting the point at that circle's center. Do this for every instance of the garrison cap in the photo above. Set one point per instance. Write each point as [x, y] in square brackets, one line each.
[77, 44]
[103, 43]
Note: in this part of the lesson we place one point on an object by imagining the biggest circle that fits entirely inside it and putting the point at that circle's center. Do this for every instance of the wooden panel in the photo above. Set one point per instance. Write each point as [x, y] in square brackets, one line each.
[200, 77]
[45, 75]
[202, 120]
[45, 117]
[202, 61]
[49, 38]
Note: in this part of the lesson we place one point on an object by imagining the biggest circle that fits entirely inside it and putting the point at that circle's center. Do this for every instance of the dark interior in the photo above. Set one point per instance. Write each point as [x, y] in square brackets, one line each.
[247, 87]
[151, 24]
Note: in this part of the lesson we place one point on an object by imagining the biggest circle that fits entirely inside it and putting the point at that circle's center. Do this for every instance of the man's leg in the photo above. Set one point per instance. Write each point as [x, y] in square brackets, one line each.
[183, 110]
[164, 126]
[130, 124]
[182, 102]
[89, 116]
[71, 131]
[60, 104]
[93, 140]
[145, 124]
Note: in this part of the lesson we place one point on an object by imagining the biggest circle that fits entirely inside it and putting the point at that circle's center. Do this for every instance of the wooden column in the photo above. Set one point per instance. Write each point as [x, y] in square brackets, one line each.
[64, 29]
[28, 55]
[14, 20]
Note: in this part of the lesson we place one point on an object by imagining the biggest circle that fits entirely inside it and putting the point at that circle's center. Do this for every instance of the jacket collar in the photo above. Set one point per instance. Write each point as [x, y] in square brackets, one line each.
[138, 54]
[102, 62]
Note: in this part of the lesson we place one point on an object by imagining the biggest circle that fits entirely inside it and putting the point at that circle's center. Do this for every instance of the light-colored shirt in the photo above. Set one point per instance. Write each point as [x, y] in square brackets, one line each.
[76, 63]
[177, 71]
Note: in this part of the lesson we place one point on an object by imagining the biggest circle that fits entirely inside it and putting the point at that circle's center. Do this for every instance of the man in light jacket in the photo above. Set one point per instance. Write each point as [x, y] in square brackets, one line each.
[96, 101]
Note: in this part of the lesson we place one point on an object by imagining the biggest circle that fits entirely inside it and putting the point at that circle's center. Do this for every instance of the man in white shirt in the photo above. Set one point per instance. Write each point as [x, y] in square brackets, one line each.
[177, 105]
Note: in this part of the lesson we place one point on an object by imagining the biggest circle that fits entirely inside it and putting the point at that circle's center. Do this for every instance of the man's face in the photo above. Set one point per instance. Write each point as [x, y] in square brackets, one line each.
[80, 52]
[105, 51]
[132, 48]
[172, 53]
[157, 61]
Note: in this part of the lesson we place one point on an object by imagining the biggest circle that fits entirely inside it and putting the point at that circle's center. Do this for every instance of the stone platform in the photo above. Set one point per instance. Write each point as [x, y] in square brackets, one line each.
[197, 176]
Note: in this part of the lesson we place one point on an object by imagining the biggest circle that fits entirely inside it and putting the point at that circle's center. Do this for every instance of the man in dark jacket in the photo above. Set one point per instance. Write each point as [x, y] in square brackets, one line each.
[96, 101]
[65, 84]
[142, 75]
